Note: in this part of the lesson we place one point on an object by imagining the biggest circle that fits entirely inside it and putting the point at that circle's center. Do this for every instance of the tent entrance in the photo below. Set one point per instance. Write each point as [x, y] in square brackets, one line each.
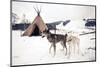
[36, 31]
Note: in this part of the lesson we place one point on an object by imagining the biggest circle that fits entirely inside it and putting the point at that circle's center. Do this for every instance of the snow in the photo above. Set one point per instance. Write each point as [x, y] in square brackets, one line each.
[77, 26]
[35, 50]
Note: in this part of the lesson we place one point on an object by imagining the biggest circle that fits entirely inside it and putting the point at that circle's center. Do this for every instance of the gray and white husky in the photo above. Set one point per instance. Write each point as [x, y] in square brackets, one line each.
[55, 38]
[72, 41]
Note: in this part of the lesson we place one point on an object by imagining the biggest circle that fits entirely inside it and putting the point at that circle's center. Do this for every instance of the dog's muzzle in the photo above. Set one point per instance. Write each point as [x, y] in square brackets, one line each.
[43, 36]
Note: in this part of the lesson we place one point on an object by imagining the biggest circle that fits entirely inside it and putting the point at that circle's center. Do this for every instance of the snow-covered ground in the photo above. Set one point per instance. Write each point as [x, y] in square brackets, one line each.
[77, 26]
[35, 50]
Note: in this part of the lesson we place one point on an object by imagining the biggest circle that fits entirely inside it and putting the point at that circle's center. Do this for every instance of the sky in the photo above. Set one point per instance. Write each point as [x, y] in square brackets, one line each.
[52, 12]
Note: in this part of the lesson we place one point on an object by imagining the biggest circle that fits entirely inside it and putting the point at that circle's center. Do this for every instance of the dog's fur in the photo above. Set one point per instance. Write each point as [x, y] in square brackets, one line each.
[73, 41]
[68, 38]
[55, 38]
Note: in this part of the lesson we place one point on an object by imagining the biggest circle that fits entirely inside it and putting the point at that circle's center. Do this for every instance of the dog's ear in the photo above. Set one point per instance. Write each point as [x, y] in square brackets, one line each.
[46, 31]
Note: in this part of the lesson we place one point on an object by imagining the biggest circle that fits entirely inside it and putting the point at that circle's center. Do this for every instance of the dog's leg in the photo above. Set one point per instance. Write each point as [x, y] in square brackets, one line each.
[65, 47]
[62, 46]
[78, 46]
[54, 46]
[69, 53]
[70, 49]
[50, 48]
[74, 48]
[64, 43]
[66, 50]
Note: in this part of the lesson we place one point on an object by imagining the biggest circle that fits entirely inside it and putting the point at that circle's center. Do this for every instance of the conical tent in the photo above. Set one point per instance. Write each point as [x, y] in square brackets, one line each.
[36, 27]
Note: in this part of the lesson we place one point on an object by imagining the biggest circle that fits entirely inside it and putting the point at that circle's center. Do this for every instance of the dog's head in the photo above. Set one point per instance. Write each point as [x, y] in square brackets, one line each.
[45, 33]
[73, 33]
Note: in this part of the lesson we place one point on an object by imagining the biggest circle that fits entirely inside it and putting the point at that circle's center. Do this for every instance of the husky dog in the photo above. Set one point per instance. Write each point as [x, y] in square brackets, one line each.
[73, 41]
[55, 38]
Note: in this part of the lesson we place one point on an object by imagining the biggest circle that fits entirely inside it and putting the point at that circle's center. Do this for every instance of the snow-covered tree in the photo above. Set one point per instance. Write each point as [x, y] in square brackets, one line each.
[14, 18]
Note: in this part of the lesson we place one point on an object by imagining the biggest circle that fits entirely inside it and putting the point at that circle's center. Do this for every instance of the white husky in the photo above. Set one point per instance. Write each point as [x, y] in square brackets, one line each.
[73, 43]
